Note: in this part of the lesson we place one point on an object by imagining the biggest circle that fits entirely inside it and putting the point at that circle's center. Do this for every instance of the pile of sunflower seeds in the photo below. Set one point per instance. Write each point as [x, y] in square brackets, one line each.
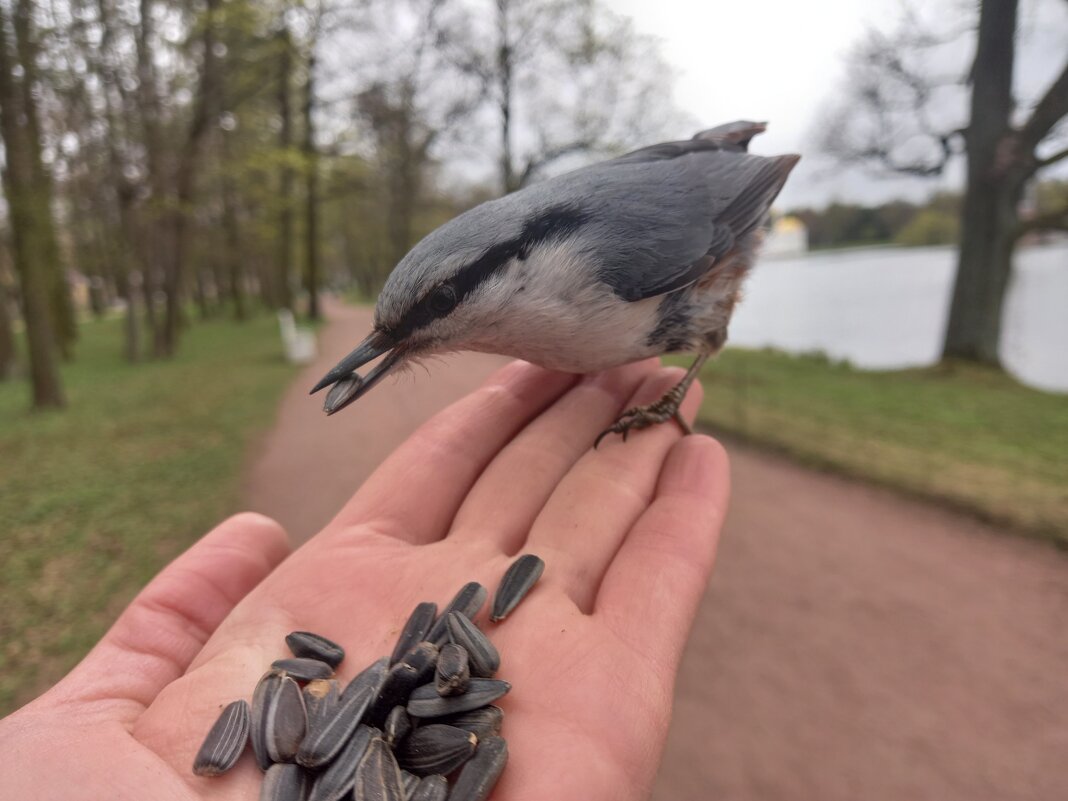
[399, 730]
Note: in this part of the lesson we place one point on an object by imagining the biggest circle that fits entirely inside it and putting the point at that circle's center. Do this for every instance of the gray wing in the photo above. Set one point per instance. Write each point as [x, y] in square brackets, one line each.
[662, 221]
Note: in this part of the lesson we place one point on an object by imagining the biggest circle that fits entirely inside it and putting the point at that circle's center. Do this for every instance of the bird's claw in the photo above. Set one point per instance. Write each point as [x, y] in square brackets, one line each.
[639, 417]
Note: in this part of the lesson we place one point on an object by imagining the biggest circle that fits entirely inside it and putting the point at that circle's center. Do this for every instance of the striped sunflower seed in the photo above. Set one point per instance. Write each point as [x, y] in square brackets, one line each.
[431, 788]
[284, 721]
[315, 646]
[481, 722]
[453, 671]
[304, 669]
[436, 749]
[225, 741]
[482, 656]
[398, 724]
[479, 776]
[425, 702]
[331, 734]
[284, 782]
[520, 576]
[372, 675]
[266, 688]
[321, 698]
[414, 669]
[378, 777]
[336, 781]
[409, 781]
[415, 630]
[341, 392]
[467, 602]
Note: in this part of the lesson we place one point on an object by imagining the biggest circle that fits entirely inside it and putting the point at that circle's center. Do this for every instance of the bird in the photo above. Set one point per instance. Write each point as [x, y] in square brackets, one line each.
[636, 256]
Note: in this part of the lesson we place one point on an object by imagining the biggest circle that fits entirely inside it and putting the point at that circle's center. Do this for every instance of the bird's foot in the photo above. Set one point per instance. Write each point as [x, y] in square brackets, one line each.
[639, 417]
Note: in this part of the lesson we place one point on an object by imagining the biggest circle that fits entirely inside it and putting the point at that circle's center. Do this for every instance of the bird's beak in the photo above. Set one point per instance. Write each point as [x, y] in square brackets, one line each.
[374, 346]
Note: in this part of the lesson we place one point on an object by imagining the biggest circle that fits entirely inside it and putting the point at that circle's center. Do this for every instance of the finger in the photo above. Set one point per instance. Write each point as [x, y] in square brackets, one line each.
[508, 496]
[600, 499]
[651, 591]
[159, 633]
[447, 454]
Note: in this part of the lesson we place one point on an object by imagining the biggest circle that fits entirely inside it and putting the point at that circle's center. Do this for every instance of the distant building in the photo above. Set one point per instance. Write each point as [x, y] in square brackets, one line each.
[788, 237]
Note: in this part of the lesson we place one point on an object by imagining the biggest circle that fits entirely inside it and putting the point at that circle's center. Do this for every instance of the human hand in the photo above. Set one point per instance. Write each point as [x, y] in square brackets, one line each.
[628, 534]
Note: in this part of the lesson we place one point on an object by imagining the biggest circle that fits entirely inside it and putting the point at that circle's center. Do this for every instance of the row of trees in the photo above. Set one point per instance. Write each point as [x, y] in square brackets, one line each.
[196, 158]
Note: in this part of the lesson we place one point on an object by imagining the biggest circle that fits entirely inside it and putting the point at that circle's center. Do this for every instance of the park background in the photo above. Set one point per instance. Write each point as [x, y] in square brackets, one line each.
[179, 177]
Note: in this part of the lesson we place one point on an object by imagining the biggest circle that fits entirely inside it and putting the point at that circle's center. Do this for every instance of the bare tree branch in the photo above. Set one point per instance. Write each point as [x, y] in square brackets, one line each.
[1048, 112]
[1051, 160]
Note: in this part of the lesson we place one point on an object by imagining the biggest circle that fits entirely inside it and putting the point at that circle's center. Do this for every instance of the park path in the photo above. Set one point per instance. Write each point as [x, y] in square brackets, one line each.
[853, 645]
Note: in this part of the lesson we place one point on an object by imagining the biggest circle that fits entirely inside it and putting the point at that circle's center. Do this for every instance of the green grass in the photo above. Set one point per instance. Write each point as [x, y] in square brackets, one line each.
[967, 436]
[96, 498]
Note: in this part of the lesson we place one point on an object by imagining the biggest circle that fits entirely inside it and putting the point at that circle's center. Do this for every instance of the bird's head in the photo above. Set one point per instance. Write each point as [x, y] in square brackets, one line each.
[449, 291]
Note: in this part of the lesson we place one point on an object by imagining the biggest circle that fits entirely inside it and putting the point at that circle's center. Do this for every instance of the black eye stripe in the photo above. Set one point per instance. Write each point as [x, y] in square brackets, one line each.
[553, 223]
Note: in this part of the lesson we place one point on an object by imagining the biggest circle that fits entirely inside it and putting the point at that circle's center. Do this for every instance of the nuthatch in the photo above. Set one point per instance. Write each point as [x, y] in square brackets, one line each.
[634, 257]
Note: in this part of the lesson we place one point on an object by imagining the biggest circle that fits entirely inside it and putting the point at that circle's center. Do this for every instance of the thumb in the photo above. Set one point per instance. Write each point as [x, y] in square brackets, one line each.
[165, 626]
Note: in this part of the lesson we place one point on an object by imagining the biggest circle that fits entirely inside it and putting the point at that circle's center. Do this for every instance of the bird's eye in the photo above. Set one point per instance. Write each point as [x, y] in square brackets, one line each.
[443, 299]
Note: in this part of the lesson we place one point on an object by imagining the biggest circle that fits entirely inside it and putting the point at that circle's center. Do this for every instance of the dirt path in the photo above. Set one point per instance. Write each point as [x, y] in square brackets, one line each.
[853, 645]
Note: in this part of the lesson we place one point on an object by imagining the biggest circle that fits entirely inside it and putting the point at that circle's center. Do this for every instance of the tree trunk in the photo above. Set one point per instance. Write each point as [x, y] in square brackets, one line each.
[509, 182]
[988, 224]
[988, 216]
[285, 144]
[30, 216]
[311, 195]
[8, 353]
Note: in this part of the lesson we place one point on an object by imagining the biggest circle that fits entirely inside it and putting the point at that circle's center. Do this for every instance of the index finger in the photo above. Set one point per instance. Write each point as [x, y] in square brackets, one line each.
[416, 492]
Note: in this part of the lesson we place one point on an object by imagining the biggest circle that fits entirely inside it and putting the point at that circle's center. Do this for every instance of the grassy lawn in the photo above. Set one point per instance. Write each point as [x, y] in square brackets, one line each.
[95, 499]
[964, 435]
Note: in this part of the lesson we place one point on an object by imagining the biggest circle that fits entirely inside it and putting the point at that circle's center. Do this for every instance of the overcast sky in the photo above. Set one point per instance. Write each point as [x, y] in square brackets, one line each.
[782, 60]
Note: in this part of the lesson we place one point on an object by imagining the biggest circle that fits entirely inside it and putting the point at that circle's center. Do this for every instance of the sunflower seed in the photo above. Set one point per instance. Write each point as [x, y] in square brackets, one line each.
[398, 724]
[453, 671]
[409, 781]
[337, 780]
[415, 630]
[265, 689]
[520, 576]
[315, 646]
[436, 749]
[481, 722]
[340, 393]
[321, 698]
[284, 721]
[467, 602]
[416, 667]
[481, 655]
[372, 675]
[378, 777]
[304, 669]
[284, 782]
[431, 788]
[425, 702]
[480, 774]
[330, 736]
[225, 742]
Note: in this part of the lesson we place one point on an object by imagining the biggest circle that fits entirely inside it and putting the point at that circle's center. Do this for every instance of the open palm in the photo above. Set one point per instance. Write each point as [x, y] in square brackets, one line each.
[627, 533]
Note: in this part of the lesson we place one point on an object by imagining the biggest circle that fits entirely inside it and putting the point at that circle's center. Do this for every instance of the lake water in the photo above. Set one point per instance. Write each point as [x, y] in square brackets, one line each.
[886, 308]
